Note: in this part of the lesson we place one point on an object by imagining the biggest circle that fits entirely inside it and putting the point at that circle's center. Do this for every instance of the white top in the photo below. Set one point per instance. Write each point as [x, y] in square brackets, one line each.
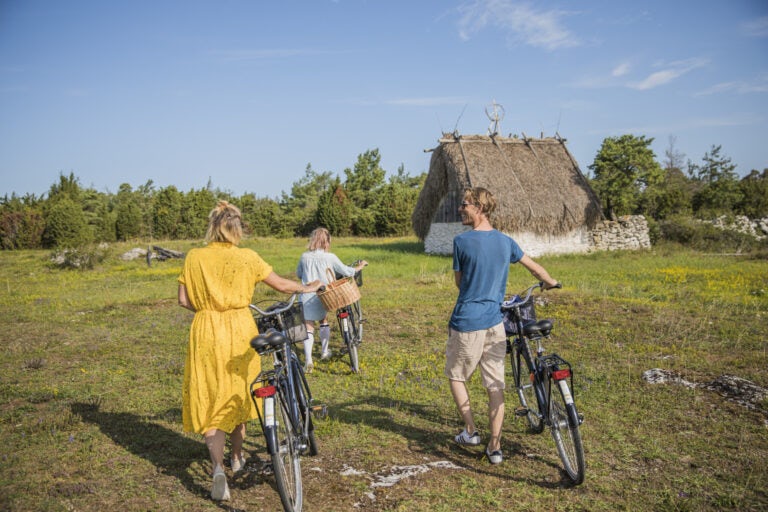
[312, 266]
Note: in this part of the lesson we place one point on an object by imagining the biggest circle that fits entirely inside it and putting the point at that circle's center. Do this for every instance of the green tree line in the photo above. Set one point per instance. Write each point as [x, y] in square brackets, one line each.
[361, 201]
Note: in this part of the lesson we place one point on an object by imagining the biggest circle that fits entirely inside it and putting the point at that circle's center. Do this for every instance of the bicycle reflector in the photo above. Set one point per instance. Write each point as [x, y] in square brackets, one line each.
[264, 392]
[561, 374]
[343, 314]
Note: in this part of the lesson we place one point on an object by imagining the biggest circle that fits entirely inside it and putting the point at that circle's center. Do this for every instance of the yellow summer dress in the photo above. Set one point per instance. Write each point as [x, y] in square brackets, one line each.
[220, 279]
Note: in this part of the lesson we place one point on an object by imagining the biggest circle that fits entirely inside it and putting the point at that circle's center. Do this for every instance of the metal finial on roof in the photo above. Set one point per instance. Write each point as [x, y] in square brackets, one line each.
[495, 114]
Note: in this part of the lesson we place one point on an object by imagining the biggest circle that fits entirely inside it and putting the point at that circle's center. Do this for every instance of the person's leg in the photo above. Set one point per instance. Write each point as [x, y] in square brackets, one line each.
[492, 375]
[462, 353]
[215, 440]
[308, 343]
[236, 439]
[461, 398]
[495, 417]
[325, 336]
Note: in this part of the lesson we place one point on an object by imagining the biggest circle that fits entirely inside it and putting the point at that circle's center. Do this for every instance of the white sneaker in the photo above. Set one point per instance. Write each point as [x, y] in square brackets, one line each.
[326, 354]
[469, 440]
[219, 489]
[237, 464]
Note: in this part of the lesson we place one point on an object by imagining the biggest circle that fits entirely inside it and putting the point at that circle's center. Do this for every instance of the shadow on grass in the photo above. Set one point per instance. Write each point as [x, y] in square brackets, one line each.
[382, 412]
[169, 451]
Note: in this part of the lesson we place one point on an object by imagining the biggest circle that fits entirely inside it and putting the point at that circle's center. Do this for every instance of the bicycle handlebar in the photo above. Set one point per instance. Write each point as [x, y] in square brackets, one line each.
[529, 291]
[275, 309]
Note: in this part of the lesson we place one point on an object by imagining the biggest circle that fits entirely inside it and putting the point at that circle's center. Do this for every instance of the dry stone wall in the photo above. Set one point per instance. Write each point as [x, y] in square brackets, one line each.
[629, 232]
[626, 233]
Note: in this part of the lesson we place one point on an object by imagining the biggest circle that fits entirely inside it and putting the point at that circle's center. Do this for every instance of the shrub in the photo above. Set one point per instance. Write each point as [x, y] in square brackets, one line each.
[79, 258]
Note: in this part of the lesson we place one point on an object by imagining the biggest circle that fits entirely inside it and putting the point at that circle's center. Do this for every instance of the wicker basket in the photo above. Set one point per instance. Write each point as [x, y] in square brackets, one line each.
[338, 293]
[527, 315]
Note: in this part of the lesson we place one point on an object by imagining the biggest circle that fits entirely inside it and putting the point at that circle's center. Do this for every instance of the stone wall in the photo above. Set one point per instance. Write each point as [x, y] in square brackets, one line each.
[628, 233]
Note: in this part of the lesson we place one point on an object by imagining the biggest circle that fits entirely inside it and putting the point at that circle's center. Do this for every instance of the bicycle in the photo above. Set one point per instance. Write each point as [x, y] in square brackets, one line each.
[288, 406]
[350, 318]
[533, 374]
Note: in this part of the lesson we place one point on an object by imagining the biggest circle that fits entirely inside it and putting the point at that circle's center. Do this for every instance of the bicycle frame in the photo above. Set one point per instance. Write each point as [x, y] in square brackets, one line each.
[287, 402]
[554, 406]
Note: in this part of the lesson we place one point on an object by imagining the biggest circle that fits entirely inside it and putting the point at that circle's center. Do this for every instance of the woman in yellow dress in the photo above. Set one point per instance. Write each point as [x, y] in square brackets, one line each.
[217, 283]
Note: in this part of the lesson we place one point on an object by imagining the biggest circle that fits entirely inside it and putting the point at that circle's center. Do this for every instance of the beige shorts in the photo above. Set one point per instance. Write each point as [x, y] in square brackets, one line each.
[465, 351]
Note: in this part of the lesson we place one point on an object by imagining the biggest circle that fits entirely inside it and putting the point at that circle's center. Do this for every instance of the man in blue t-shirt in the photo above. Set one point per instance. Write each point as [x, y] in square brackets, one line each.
[481, 259]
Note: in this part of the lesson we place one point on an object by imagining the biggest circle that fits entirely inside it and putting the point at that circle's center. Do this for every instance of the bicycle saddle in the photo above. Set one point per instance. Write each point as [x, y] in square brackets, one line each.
[270, 339]
[540, 328]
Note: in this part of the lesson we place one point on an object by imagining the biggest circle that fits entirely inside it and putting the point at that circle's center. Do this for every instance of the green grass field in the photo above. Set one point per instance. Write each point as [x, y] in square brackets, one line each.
[91, 364]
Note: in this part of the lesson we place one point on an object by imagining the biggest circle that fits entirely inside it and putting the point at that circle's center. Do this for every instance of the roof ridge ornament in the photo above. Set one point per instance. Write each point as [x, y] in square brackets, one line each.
[496, 114]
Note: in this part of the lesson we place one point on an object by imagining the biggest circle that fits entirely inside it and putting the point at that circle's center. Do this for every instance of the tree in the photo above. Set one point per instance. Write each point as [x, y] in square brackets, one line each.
[718, 191]
[261, 216]
[195, 207]
[166, 212]
[363, 184]
[21, 223]
[625, 167]
[396, 202]
[754, 195]
[333, 210]
[674, 192]
[65, 225]
[300, 208]
[128, 213]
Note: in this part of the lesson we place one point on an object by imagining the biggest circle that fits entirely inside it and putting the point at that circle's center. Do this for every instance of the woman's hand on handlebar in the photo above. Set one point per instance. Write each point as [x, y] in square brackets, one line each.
[360, 264]
[549, 286]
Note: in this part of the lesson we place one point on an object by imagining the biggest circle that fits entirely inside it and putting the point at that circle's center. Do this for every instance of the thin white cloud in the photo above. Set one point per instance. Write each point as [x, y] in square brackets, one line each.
[756, 28]
[621, 70]
[673, 71]
[757, 85]
[520, 20]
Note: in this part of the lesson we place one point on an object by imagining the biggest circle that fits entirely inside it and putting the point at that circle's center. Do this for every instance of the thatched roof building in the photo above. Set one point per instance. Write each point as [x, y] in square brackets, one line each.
[544, 201]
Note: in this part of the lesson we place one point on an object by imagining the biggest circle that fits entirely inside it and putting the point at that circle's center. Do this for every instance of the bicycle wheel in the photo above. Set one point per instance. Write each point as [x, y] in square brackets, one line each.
[565, 431]
[526, 392]
[357, 325]
[348, 332]
[302, 395]
[286, 463]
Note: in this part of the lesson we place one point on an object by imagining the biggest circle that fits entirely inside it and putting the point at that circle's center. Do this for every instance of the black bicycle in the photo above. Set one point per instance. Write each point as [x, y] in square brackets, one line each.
[287, 403]
[533, 376]
[350, 318]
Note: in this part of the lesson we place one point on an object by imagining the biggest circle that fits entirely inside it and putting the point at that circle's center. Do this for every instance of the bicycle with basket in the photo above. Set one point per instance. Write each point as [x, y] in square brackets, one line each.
[287, 406]
[534, 373]
[342, 297]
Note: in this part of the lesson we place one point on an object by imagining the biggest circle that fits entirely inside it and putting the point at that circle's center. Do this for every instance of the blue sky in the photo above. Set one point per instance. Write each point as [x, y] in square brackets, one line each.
[248, 93]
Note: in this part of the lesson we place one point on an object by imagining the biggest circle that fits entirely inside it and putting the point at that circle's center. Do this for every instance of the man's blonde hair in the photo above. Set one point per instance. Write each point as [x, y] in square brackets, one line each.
[482, 198]
[225, 224]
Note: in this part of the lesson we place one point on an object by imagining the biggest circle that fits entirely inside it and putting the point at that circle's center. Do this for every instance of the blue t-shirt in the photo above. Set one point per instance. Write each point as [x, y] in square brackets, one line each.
[483, 257]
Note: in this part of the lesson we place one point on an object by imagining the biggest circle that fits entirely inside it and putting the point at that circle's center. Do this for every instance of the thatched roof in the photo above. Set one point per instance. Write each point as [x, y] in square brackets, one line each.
[537, 184]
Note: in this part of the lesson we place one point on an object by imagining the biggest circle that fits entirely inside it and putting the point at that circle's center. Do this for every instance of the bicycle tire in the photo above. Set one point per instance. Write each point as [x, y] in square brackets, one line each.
[357, 325]
[286, 463]
[302, 395]
[347, 332]
[526, 390]
[564, 424]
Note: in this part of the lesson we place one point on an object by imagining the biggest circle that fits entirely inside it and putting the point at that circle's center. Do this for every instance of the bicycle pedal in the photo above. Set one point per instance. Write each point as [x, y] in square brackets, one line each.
[581, 418]
[521, 411]
[319, 411]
